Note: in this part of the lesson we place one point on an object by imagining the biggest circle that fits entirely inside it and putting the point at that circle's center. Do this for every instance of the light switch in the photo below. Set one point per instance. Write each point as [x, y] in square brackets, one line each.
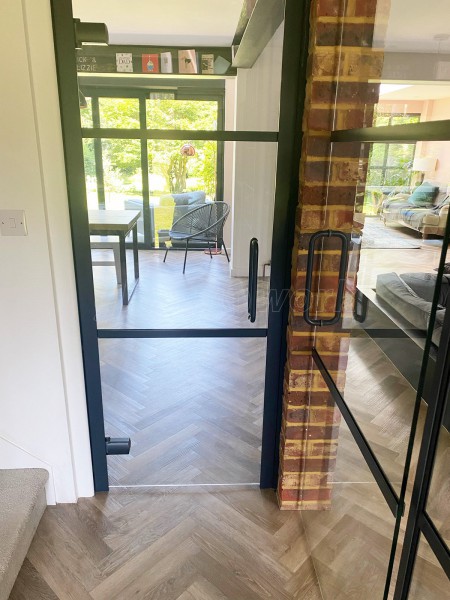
[12, 222]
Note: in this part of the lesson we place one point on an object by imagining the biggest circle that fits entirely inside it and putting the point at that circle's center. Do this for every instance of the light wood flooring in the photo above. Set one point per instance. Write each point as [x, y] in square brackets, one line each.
[169, 545]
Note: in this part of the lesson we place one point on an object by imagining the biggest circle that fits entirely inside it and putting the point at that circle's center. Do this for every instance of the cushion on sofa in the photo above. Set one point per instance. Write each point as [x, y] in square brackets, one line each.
[411, 295]
[424, 195]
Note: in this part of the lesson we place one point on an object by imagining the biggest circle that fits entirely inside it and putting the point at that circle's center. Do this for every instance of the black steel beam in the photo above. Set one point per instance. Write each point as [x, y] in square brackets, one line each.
[412, 132]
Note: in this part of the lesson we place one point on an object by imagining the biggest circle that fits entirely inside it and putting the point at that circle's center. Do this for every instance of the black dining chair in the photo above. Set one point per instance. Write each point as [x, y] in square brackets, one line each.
[201, 224]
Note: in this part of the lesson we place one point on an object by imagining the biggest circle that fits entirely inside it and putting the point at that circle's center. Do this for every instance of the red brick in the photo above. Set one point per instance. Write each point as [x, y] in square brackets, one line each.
[365, 8]
[329, 8]
[316, 170]
[353, 34]
[319, 118]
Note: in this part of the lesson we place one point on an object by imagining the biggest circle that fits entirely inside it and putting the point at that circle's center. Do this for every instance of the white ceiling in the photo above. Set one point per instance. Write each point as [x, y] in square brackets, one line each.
[414, 92]
[412, 25]
[164, 22]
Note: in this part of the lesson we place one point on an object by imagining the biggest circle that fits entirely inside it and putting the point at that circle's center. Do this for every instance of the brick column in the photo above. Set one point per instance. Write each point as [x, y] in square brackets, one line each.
[339, 96]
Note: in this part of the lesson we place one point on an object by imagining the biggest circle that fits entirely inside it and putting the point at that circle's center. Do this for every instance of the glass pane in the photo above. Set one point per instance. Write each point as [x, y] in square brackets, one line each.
[351, 542]
[122, 172]
[197, 423]
[438, 505]
[122, 113]
[429, 579]
[170, 113]
[396, 242]
[396, 69]
[181, 175]
[212, 292]
[90, 173]
[86, 111]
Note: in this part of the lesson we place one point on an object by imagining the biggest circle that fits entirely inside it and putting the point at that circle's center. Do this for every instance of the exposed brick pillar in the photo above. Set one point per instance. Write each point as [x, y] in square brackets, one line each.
[332, 181]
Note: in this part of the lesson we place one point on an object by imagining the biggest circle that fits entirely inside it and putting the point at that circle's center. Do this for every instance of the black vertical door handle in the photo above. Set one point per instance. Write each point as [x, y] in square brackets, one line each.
[252, 279]
[329, 233]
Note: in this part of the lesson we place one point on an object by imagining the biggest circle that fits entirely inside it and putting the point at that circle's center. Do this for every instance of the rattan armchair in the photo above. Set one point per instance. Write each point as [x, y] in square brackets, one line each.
[201, 224]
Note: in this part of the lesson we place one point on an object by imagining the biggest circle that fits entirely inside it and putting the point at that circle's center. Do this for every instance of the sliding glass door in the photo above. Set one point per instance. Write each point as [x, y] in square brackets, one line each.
[377, 290]
[184, 201]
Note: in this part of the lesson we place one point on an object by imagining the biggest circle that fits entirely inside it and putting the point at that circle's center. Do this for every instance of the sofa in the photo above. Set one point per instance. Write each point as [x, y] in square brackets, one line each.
[425, 209]
[404, 299]
[411, 295]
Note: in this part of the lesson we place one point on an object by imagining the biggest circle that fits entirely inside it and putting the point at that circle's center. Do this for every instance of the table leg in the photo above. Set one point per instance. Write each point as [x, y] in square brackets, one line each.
[135, 252]
[123, 268]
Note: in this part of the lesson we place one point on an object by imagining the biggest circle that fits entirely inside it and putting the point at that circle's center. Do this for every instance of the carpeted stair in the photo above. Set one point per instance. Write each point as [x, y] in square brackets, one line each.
[22, 503]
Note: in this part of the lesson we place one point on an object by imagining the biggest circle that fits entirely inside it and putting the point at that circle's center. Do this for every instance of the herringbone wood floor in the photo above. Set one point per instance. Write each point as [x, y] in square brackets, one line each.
[192, 407]
[171, 545]
[205, 296]
[198, 545]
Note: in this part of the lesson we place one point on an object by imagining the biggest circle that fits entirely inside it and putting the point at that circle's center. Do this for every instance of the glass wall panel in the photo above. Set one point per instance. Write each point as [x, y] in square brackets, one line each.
[397, 68]
[86, 111]
[395, 246]
[169, 112]
[122, 173]
[181, 174]
[212, 292]
[121, 113]
[351, 542]
[429, 579]
[190, 418]
[438, 505]
[92, 183]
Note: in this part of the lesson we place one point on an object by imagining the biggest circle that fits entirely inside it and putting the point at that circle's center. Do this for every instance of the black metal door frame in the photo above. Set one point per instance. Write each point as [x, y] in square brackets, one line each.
[295, 54]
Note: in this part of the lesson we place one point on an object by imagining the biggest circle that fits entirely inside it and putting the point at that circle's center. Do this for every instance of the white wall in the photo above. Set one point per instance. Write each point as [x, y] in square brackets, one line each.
[257, 109]
[229, 150]
[43, 420]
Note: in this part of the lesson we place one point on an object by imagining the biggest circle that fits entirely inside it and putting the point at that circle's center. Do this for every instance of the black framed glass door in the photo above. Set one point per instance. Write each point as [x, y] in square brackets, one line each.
[385, 310]
[174, 319]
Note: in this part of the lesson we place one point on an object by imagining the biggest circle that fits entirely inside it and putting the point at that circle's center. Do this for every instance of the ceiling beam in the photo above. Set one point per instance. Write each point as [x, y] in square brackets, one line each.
[266, 17]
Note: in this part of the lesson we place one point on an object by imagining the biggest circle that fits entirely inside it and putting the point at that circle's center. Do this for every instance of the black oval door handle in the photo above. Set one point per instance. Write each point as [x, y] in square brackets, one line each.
[309, 273]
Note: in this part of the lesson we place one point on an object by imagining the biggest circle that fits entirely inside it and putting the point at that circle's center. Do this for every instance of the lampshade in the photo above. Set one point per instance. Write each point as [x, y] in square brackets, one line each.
[424, 164]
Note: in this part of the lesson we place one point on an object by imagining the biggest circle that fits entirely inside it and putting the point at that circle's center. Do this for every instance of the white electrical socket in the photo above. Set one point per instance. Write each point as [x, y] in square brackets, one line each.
[12, 222]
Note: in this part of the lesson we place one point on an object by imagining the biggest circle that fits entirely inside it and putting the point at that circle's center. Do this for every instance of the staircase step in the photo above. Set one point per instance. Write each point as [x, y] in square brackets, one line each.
[22, 504]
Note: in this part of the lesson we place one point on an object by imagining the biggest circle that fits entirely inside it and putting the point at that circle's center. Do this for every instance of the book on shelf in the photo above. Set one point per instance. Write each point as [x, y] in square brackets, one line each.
[187, 61]
[207, 64]
[124, 62]
[221, 65]
[150, 63]
[166, 62]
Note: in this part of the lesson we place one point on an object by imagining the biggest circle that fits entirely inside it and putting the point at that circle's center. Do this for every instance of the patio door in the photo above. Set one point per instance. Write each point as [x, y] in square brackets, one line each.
[379, 326]
[191, 359]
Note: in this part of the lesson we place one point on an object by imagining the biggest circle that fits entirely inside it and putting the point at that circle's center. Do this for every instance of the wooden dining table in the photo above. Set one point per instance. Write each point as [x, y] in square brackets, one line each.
[119, 223]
